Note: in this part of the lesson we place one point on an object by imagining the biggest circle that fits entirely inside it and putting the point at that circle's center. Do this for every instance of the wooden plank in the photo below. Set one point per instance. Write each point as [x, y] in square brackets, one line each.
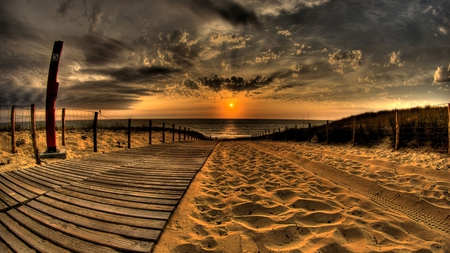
[125, 230]
[8, 200]
[23, 184]
[141, 181]
[54, 170]
[77, 168]
[89, 235]
[29, 237]
[115, 202]
[132, 188]
[153, 185]
[4, 248]
[127, 192]
[16, 187]
[49, 240]
[19, 175]
[156, 199]
[3, 205]
[13, 242]
[12, 193]
[98, 215]
[110, 208]
[38, 179]
[50, 177]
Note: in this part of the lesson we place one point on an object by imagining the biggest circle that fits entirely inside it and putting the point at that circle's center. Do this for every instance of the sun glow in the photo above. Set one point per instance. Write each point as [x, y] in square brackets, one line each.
[231, 105]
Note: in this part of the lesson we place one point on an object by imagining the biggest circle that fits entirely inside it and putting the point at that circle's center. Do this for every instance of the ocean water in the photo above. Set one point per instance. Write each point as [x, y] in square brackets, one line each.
[216, 128]
[230, 128]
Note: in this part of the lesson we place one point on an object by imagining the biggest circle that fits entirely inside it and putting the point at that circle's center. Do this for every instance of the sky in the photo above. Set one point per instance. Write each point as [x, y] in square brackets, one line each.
[322, 59]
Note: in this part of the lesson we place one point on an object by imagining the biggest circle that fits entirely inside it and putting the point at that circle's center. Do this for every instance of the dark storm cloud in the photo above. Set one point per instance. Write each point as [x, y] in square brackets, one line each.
[229, 11]
[103, 94]
[132, 75]
[234, 83]
[13, 94]
[99, 50]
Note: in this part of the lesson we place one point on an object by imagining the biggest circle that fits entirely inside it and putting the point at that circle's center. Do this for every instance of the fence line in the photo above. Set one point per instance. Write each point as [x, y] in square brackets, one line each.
[412, 127]
[91, 124]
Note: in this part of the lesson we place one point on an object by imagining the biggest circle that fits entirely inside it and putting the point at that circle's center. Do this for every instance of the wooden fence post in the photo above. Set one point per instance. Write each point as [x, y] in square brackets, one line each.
[309, 132]
[95, 131]
[33, 133]
[397, 131]
[129, 133]
[189, 134]
[448, 148]
[286, 136]
[173, 132]
[295, 136]
[13, 129]
[184, 134]
[150, 132]
[63, 126]
[354, 131]
[164, 133]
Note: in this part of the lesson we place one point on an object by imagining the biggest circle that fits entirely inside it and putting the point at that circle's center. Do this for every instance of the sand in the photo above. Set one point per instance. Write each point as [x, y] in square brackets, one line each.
[300, 197]
[78, 144]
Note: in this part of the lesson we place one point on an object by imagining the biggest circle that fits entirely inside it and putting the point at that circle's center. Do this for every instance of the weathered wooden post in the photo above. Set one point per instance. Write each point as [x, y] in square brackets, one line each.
[286, 136]
[397, 131]
[184, 134]
[33, 133]
[13, 129]
[150, 132]
[173, 132]
[129, 133]
[295, 135]
[189, 134]
[354, 131]
[309, 132]
[179, 133]
[94, 127]
[63, 126]
[164, 133]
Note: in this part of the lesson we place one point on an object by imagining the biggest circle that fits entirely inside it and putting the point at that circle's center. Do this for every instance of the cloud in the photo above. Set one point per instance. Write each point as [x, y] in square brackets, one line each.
[99, 50]
[442, 74]
[233, 40]
[284, 32]
[103, 94]
[395, 59]
[345, 59]
[64, 7]
[230, 11]
[15, 94]
[94, 16]
[234, 83]
[132, 75]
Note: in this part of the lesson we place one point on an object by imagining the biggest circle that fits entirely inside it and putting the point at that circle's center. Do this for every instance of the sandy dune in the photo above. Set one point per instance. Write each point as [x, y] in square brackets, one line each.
[291, 197]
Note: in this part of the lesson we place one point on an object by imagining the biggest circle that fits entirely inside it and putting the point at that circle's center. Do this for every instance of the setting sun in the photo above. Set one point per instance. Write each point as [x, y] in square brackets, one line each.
[231, 105]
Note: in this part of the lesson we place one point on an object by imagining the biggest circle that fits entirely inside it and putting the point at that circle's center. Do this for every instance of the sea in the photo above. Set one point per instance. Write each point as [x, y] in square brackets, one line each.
[214, 128]
[230, 128]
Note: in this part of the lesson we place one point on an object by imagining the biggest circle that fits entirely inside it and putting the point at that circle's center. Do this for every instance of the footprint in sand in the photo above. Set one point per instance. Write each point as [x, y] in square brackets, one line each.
[313, 205]
[257, 209]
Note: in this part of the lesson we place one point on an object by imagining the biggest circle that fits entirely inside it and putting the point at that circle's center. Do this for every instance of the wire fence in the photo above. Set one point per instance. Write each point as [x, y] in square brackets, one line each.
[413, 127]
[82, 130]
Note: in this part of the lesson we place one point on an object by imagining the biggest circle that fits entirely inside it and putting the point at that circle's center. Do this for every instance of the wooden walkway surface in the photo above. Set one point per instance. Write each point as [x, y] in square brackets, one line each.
[112, 202]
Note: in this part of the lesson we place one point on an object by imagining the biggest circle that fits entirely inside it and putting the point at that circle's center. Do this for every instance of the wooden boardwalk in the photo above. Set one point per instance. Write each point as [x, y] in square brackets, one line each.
[112, 202]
